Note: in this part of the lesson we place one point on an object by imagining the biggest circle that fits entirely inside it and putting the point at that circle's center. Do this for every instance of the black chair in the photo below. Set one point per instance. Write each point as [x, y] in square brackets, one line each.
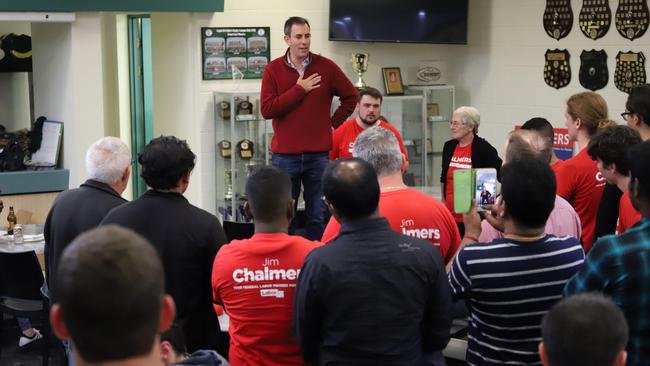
[21, 280]
[238, 230]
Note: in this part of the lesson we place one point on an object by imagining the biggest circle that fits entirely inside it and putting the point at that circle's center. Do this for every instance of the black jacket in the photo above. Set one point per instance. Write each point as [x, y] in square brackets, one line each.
[73, 212]
[187, 239]
[372, 297]
[484, 155]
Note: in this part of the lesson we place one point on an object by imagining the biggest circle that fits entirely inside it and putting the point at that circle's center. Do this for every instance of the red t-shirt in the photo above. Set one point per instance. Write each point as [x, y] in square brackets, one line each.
[462, 159]
[556, 167]
[343, 138]
[627, 214]
[255, 279]
[580, 183]
[415, 214]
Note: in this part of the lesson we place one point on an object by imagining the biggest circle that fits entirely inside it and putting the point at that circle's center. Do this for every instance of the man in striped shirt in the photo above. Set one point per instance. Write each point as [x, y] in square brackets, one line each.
[511, 283]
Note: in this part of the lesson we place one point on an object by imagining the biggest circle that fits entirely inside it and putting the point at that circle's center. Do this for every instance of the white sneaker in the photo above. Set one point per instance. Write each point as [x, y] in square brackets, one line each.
[25, 340]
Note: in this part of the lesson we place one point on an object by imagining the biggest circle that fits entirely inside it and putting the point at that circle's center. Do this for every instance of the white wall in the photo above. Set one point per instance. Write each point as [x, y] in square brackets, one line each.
[68, 84]
[503, 69]
[14, 87]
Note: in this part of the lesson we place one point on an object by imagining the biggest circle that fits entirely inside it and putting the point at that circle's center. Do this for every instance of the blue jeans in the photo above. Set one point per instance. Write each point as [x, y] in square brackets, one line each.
[307, 169]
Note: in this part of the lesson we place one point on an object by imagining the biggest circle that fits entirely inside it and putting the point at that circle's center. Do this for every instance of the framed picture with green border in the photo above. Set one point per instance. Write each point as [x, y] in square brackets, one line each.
[238, 51]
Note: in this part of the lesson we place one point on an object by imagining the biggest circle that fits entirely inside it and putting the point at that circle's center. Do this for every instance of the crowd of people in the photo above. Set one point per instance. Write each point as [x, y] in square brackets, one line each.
[379, 284]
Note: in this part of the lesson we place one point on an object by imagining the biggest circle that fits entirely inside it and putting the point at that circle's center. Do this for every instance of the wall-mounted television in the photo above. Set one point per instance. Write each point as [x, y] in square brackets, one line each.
[407, 21]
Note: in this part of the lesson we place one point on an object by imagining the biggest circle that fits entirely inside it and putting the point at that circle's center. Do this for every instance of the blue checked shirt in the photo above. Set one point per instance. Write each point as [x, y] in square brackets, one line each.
[619, 266]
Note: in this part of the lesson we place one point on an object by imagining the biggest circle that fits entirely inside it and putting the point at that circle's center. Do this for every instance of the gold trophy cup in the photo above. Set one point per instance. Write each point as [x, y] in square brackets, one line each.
[360, 65]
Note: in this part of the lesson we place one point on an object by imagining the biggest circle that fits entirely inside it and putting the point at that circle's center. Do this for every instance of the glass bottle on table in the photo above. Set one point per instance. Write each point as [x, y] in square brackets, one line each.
[11, 220]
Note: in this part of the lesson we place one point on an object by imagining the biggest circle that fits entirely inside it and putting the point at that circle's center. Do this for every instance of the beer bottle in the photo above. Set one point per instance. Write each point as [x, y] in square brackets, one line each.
[11, 219]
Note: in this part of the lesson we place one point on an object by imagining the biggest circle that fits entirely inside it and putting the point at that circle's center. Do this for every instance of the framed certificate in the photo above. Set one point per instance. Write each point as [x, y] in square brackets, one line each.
[393, 80]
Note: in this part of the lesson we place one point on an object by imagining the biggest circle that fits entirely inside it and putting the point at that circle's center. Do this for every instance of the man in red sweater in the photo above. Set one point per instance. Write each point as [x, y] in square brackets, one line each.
[297, 92]
[369, 112]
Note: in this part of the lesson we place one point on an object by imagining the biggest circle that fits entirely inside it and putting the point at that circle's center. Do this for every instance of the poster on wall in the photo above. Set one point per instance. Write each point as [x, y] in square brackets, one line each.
[245, 50]
[562, 144]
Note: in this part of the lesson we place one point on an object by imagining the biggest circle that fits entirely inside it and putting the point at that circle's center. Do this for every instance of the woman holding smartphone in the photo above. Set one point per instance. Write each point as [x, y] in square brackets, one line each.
[465, 150]
[578, 179]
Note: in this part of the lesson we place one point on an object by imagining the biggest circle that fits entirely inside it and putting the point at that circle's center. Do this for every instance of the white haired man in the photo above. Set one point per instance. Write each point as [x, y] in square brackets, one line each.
[108, 164]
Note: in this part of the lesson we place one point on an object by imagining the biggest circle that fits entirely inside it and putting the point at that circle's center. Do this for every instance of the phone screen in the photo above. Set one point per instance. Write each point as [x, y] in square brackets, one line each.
[486, 187]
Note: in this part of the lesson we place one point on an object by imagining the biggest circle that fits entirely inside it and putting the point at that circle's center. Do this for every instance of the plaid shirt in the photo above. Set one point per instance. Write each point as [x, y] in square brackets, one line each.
[619, 266]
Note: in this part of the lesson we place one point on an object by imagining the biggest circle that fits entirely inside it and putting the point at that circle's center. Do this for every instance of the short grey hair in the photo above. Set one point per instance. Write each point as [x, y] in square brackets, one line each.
[106, 160]
[528, 143]
[380, 148]
[470, 117]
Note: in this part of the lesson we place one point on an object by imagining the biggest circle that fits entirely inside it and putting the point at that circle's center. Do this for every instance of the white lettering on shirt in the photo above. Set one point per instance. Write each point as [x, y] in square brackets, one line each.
[246, 275]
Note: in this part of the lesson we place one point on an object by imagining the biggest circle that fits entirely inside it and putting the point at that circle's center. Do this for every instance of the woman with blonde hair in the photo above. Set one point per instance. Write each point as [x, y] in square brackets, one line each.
[578, 179]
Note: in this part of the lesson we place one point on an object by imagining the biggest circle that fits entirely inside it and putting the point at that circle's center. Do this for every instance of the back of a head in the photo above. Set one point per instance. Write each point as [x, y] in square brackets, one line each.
[542, 126]
[528, 189]
[380, 148]
[611, 144]
[638, 158]
[110, 285]
[638, 102]
[592, 110]
[351, 186]
[165, 160]
[269, 190]
[175, 336]
[584, 330]
[529, 143]
[107, 159]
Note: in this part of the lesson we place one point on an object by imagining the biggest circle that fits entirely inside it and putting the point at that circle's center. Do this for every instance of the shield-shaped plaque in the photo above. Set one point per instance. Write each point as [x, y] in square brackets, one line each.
[595, 18]
[632, 18]
[593, 73]
[558, 18]
[630, 70]
[557, 70]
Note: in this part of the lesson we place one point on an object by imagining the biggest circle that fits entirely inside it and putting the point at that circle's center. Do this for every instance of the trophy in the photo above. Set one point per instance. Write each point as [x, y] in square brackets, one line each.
[360, 65]
[228, 179]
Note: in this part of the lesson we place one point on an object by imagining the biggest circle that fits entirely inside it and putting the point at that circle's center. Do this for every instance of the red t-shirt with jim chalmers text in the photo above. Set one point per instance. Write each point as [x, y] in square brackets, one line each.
[415, 214]
[462, 159]
[255, 279]
[580, 183]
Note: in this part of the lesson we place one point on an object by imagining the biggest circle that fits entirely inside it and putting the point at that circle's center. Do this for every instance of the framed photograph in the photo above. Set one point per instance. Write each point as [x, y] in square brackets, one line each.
[393, 80]
[246, 50]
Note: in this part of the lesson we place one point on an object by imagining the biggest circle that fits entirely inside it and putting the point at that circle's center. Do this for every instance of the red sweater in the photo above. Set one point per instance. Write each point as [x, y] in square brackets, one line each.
[301, 121]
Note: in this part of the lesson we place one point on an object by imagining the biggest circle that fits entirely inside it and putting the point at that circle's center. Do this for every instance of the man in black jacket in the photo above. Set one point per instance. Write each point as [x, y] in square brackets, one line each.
[108, 164]
[371, 296]
[186, 237]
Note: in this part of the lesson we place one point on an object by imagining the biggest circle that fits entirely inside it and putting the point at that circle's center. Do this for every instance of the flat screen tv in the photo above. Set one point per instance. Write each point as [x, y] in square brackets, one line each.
[408, 21]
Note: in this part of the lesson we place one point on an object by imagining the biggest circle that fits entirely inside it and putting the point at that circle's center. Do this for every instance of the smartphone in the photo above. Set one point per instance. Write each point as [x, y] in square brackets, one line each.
[463, 190]
[485, 189]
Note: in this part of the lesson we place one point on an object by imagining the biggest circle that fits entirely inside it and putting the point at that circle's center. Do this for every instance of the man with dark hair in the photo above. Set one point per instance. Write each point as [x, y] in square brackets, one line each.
[297, 92]
[619, 266]
[510, 283]
[544, 128]
[255, 278]
[371, 296]
[111, 301]
[609, 148]
[174, 352]
[637, 110]
[407, 210]
[186, 237]
[369, 107]
[584, 330]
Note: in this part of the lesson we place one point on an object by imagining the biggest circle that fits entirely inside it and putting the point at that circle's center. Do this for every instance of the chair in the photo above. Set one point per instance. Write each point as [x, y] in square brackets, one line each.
[238, 230]
[21, 280]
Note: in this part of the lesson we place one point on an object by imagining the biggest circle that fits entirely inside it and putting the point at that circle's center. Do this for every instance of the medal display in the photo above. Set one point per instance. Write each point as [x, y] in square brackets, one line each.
[557, 70]
[630, 70]
[558, 18]
[593, 73]
[595, 18]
